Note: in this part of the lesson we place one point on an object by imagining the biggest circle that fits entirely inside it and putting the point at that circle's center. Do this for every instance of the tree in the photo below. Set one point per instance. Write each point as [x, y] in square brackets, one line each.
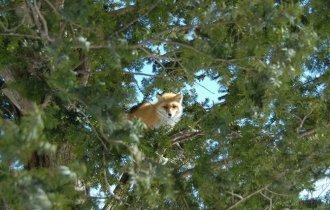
[69, 70]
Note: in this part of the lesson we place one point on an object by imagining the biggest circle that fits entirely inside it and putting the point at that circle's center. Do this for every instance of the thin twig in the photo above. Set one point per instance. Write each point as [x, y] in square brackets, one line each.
[191, 27]
[275, 193]
[270, 200]
[205, 88]
[62, 30]
[214, 164]
[43, 21]
[152, 56]
[303, 121]
[307, 133]
[137, 19]
[190, 47]
[186, 135]
[21, 35]
[67, 20]
[140, 74]
[72, 30]
[6, 29]
[98, 134]
[235, 195]
[34, 16]
[311, 131]
[105, 173]
[247, 197]
[53, 8]
[158, 57]
[187, 46]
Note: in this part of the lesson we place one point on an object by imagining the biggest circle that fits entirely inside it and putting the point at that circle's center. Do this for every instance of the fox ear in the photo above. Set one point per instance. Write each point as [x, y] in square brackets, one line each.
[178, 98]
[159, 97]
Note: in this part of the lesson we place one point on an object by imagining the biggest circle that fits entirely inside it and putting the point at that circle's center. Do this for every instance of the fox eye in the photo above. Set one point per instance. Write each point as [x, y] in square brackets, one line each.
[165, 107]
[174, 106]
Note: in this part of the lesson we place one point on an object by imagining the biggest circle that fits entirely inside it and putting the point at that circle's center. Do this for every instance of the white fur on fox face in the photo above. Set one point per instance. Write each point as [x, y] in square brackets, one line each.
[168, 117]
[169, 113]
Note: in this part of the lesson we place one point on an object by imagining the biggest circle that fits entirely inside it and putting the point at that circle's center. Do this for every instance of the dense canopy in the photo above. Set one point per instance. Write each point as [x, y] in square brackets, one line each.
[70, 71]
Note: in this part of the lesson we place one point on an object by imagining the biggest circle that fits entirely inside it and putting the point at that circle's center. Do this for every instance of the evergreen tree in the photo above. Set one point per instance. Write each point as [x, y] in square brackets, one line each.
[69, 73]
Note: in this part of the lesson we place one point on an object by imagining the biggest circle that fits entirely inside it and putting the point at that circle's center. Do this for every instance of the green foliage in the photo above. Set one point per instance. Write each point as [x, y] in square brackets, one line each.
[76, 64]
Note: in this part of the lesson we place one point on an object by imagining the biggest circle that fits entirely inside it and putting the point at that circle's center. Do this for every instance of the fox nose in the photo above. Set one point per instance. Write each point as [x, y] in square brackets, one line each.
[169, 114]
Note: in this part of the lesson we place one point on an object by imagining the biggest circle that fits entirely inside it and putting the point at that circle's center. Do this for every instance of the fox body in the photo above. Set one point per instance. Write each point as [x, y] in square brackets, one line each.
[166, 112]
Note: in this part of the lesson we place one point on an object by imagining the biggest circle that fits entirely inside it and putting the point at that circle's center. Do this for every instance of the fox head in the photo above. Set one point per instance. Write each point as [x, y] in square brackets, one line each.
[169, 108]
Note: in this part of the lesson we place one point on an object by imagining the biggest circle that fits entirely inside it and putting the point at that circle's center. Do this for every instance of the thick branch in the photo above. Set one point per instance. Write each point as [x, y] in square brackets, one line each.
[83, 70]
[22, 104]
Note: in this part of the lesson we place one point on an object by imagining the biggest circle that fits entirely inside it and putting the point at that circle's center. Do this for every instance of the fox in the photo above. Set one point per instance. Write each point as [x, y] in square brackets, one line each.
[167, 111]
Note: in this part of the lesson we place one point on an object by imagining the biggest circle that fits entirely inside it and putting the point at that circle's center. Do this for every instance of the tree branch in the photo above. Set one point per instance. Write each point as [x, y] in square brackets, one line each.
[22, 104]
[122, 181]
[235, 195]
[185, 136]
[270, 200]
[43, 21]
[214, 165]
[302, 121]
[28, 36]
[243, 199]
[310, 132]
[106, 173]
[138, 18]
[275, 193]
[140, 74]
[83, 71]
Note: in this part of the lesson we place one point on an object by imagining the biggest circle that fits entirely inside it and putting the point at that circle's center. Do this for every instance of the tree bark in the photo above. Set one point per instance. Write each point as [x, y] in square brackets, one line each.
[22, 104]
[83, 70]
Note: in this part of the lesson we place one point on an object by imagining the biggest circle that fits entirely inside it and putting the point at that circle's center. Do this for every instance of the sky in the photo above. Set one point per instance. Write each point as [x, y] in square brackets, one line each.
[204, 89]
[321, 187]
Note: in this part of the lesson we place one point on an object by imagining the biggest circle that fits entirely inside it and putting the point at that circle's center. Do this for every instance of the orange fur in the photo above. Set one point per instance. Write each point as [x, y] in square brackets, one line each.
[166, 112]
